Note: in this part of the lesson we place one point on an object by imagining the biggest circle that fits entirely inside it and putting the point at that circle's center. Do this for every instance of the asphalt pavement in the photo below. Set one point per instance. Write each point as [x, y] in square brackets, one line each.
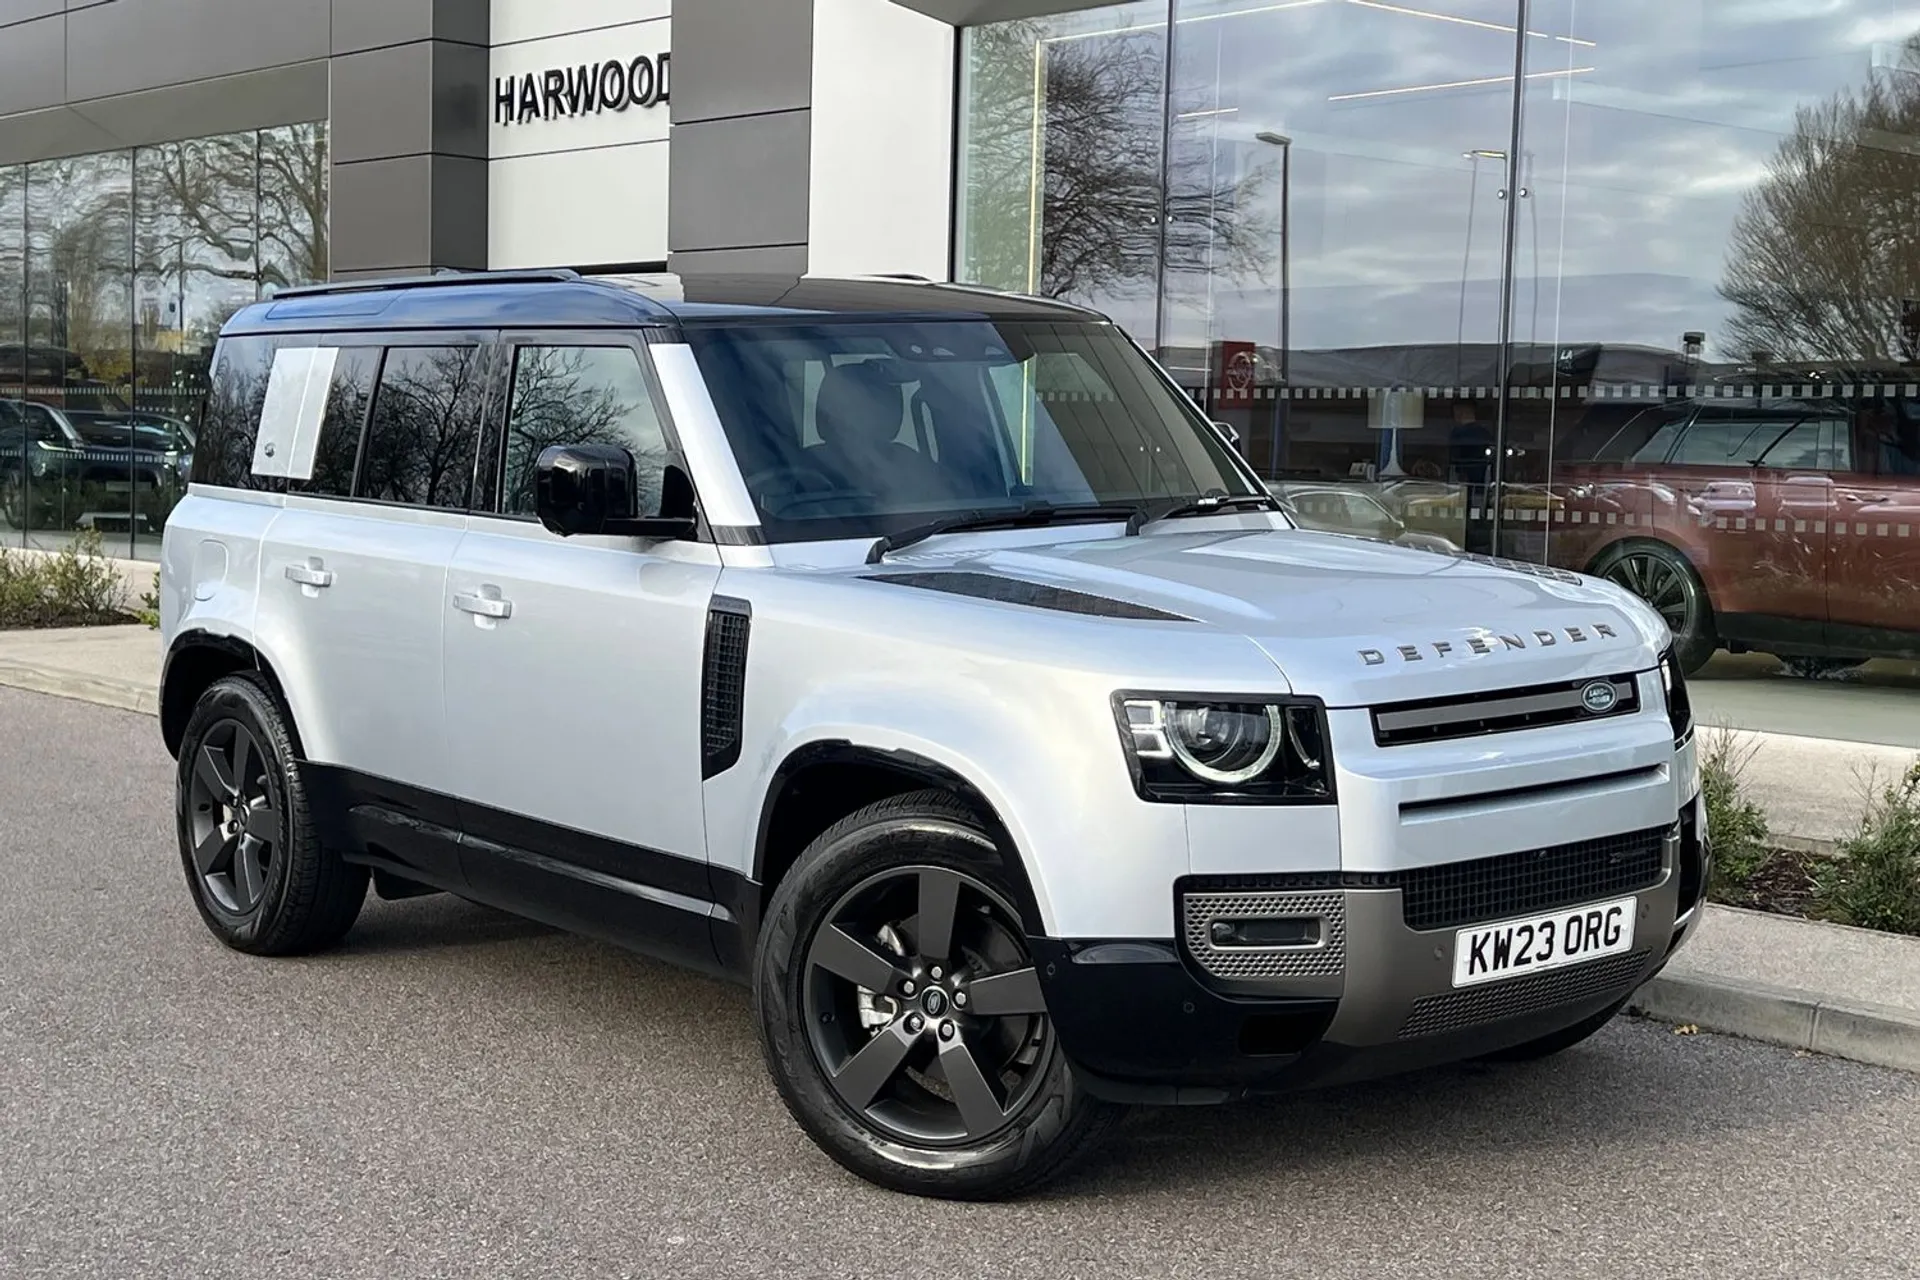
[456, 1093]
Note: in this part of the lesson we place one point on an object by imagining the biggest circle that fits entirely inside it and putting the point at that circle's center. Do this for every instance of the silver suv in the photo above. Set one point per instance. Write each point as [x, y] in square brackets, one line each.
[920, 657]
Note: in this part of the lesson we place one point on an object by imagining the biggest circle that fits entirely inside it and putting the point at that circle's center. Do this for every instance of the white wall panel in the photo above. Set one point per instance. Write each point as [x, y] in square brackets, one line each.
[880, 188]
[572, 186]
[576, 208]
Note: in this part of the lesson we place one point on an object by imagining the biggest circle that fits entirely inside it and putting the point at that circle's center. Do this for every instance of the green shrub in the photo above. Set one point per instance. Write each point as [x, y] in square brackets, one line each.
[76, 588]
[1875, 883]
[149, 610]
[1736, 824]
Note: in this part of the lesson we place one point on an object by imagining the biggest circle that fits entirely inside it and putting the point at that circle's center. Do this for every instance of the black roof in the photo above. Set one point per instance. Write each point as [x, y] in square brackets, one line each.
[506, 299]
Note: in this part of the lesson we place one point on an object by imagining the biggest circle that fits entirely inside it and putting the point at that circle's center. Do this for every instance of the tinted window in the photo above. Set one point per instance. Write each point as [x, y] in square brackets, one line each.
[1798, 450]
[421, 437]
[223, 454]
[580, 395]
[354, 369]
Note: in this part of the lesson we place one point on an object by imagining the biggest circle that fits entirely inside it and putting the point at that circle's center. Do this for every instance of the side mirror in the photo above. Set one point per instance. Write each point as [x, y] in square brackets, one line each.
[1228, 434]
[594, 488]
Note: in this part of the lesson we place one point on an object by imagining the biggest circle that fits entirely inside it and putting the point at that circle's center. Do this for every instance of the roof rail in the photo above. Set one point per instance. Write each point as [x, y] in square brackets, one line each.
[435, 280]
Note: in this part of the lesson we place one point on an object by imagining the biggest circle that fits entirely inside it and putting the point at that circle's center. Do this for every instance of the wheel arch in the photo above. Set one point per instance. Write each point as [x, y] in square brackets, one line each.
[194, 661]
[823, 781]
[1634, 538]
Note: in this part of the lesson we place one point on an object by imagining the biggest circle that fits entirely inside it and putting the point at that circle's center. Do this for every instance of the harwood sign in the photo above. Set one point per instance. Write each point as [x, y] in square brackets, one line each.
[587, 89]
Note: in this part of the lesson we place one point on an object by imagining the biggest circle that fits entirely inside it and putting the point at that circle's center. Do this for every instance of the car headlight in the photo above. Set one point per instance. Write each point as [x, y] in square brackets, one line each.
[1189, 750]
[1679, 705]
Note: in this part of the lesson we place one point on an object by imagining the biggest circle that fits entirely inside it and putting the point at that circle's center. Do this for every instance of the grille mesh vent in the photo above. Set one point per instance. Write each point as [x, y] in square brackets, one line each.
[1200, 910]
[1518, 997]
[723, 685]
[1460, 893]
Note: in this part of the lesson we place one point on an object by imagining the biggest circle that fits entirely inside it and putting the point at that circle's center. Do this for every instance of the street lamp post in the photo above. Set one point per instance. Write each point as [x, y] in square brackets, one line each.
[1285, 144]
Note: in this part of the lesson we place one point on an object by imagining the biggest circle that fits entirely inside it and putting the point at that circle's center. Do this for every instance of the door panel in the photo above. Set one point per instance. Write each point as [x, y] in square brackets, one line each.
[575, 699]
[1873, 582]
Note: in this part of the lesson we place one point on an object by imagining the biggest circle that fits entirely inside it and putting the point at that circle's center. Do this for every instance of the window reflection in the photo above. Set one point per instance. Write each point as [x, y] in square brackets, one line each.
[117, 271]
[422, 434]
[581, 395]
[1494, 304]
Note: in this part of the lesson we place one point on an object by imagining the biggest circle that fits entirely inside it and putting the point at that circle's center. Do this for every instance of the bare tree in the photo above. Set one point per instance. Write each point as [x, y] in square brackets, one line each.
[1824, 259]
[1103, 195]
[561, 398]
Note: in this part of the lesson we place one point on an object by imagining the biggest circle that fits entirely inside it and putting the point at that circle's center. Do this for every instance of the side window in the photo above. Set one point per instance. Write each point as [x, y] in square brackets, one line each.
[580, 395]
[223, 450]
[345, 414]
[1713, 442]
[421, 438]
[1798, 450]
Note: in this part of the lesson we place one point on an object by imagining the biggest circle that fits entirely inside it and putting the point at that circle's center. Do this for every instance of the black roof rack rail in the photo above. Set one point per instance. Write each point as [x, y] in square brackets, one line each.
[435, 280]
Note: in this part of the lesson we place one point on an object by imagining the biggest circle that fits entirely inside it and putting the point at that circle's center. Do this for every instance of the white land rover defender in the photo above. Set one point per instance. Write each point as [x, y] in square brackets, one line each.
[919, 656]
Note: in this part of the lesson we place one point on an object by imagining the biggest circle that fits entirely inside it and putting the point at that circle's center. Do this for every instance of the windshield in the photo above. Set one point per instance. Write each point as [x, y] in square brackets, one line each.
[858, 429]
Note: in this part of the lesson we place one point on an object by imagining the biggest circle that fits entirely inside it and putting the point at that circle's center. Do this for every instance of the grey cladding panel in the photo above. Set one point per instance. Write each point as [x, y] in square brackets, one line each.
[140, 44]
[741, 57]
[771, 260]
[374, 24]
[739, 183]
[380, 103]
[12, 11]
[32, 65]
[459, 213]
[381, 214]
[257, 100]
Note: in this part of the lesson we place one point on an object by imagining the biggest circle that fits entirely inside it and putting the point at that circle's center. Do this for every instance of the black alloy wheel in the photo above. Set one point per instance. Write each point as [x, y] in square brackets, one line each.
[259, 876]
[1662, 577]
[901, 1014]
[924, 1008]
[234, 822]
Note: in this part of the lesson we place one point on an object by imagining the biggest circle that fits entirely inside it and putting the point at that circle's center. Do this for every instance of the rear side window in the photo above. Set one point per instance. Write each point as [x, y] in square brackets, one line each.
[224, 451]
[422, 435]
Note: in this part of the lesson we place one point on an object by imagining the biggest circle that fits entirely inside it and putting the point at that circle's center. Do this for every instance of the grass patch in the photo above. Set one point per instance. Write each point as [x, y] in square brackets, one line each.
[78, 587]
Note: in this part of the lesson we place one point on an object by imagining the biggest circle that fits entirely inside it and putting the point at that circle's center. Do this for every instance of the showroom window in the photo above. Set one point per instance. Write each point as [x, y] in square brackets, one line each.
[116, 272]
[1482, 261]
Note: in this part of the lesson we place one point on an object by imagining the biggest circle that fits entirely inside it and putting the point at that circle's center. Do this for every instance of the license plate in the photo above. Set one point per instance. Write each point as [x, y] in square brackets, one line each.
[1490, 952]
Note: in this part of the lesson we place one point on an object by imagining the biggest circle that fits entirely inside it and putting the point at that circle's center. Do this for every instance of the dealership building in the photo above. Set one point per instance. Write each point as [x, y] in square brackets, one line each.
[1629, 287]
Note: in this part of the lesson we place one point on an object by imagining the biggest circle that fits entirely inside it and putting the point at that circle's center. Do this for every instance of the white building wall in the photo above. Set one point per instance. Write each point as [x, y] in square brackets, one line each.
[880, 182]
[577, 189]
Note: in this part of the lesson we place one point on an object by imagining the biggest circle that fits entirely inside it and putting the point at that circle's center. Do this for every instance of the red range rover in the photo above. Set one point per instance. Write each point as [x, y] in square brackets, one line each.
[1780, 526]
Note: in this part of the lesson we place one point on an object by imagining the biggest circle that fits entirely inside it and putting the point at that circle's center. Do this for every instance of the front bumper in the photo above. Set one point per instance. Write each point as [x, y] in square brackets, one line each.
[1146, 1022]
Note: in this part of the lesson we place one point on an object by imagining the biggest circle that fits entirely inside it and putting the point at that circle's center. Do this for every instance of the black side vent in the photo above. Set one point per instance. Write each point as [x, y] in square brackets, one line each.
[723, 684]
[1037, 595]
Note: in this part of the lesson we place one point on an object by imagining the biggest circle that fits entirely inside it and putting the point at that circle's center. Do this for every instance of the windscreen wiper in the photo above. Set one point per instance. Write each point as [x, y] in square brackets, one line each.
[1215, 501]
[1014, 518]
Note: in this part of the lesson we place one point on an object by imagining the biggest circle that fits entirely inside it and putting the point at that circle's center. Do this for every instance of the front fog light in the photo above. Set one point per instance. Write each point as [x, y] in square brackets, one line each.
[1203, 750]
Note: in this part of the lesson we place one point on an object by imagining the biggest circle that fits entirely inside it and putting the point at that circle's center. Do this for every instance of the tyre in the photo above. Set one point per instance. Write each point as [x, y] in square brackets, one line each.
[258, 874]
[1566, 1038]
[1664, 579]
[901, 1015]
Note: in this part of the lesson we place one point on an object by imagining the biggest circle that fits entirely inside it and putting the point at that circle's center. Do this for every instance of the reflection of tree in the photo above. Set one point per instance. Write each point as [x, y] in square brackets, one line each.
[420, 444]
[1101, 203]
[78, 210]
[568, 396]
[1827, 246]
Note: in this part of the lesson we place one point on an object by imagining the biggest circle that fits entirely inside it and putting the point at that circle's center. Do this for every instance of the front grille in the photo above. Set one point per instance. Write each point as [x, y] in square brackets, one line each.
[1514, 884]
[1518, 997]
[1509, 710]
[1328, 960]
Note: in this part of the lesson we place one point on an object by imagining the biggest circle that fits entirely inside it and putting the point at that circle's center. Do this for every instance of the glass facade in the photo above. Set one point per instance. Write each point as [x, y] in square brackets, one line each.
[1631, 288]
[116, 272]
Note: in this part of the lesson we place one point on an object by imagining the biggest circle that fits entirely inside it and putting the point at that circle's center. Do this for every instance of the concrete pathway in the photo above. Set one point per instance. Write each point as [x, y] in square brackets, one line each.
[113, 666]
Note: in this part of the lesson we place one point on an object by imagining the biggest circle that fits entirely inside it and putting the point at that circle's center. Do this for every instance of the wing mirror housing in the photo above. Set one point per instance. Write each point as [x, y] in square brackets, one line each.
[594, 488]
